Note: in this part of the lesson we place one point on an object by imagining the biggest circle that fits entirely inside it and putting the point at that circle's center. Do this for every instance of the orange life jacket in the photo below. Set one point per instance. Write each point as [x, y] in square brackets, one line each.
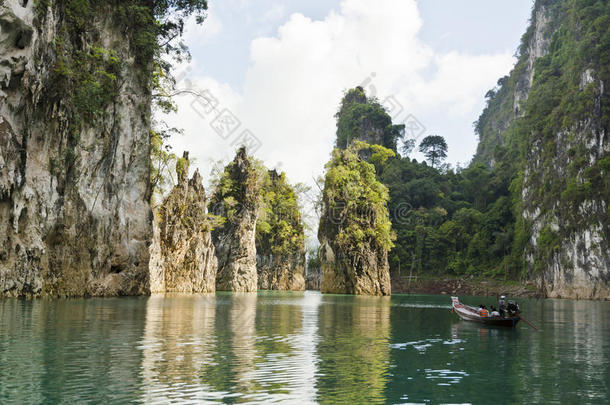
[483, 312]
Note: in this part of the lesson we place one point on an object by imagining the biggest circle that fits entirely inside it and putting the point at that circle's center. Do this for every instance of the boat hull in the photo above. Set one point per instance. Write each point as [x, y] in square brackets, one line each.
[468, 313]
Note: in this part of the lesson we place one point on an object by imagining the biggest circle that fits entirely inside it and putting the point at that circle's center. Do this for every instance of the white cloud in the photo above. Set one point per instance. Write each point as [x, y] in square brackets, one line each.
[198, 33]
[295, 82]
[276, 12]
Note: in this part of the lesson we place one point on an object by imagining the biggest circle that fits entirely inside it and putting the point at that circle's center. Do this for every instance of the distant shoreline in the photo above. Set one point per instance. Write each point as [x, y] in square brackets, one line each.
[464, 286]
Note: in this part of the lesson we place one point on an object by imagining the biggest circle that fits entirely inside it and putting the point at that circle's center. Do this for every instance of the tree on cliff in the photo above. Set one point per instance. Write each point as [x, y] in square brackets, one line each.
[434, 147]
[365, 119]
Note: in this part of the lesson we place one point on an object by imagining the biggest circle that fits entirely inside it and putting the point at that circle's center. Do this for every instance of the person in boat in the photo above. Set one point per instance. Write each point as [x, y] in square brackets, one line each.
[494, 311]
[502, 306]
[483, 311]
[512, 308]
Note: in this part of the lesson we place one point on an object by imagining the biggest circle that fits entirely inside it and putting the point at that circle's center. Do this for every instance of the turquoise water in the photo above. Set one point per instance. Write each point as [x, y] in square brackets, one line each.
[298, 347]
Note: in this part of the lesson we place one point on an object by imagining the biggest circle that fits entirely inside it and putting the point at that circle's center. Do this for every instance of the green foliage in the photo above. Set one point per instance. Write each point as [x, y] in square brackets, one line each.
[279, 229]
[162, 160]
[238, 188]
[456, 223]
[313, 260]
[365, 119]
[434, 147]
[181, 167]
[407, 147]
[87, 77]
[354, 201]
[551, 132]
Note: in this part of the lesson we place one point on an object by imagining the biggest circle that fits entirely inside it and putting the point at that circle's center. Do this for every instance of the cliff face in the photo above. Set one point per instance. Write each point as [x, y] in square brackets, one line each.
[238, 200]
[74, 156]
[186, 260]
[506, 103]
[313, 279]
[354, 232]
[280, 238]
[365, 272]
[280, 272]
[556, 130]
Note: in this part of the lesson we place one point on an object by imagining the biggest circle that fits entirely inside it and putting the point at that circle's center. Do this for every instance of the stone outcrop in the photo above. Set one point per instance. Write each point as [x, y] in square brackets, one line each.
[508, 101]
[354, 231]
[362, 273]
[281, 272]
[280, 238]
[238, 200]
[578, 265]
[182, 255]
[366, 120]
[313, 279]
[75, 217]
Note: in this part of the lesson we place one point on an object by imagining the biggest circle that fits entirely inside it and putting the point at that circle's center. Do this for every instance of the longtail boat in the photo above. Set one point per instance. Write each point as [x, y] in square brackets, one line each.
[469, 313]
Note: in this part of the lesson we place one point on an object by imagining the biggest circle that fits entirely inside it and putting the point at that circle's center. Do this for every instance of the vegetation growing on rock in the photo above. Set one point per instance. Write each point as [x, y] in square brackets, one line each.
[186, 259]
[550, 133]
[238, 200]
[365, 119]
[355, 230]
[280, 237]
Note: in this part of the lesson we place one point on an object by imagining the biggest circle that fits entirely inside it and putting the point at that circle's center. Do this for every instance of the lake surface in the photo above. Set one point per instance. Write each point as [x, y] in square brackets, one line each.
[298, 347]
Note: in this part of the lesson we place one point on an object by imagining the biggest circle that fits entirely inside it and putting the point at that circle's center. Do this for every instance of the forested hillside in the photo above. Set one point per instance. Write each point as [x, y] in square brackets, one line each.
[547, 122]
[533, 202]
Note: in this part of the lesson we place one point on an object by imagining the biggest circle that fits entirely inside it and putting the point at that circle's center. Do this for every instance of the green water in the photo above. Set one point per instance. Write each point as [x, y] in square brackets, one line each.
[298, 347]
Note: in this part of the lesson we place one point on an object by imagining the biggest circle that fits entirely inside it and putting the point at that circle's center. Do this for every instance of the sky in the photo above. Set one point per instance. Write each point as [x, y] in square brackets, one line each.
[271, 74]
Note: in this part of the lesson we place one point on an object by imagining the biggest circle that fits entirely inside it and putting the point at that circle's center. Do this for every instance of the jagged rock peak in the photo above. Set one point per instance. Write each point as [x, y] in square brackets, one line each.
[237, 199]
[183, 256]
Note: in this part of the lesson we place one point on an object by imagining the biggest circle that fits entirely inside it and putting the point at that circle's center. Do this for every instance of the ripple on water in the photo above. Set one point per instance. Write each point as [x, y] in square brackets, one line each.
[424, 344]
[445, 376]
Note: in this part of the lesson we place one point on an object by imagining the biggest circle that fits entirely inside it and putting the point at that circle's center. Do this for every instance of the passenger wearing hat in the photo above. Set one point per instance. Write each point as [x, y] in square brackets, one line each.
[502, 305]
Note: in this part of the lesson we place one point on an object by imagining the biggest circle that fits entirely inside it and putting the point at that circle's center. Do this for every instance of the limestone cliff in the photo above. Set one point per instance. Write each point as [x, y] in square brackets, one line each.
[186, 260]
[280, 272]
[280, 238]
[549, 118]
[238, 200]
[355, 231]
[313, 277]
[506, 103]
[74, 154]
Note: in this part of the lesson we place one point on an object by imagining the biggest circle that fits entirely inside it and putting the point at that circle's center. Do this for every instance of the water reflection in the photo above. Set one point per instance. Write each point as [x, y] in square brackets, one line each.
[230, 347]
[177, 343]
[571, 349]
[19, 324]
[60, 351]
[298, 347]
[353, 350]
